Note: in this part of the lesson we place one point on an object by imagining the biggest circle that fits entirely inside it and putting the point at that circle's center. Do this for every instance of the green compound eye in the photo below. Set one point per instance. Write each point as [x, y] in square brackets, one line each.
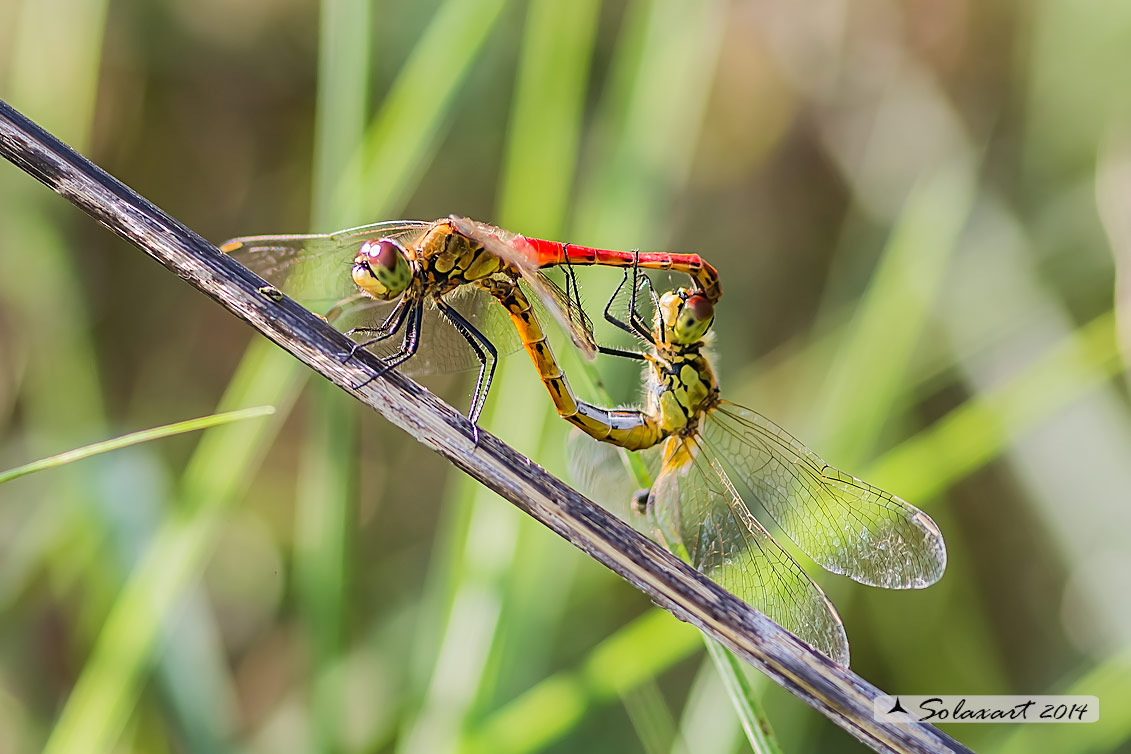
[381, 269]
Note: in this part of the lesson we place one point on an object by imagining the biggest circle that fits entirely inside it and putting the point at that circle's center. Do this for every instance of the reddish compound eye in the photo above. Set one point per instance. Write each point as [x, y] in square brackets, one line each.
[381, 270]
[383, 254]
[700, 308]
[685, 316]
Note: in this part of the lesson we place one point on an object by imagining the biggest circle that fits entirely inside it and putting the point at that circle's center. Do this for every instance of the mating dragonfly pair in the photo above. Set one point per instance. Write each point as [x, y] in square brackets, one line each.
[455, 293]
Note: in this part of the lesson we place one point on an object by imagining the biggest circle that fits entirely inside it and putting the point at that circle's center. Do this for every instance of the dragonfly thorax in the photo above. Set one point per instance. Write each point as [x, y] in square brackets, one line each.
[381, 269]
[681, 388]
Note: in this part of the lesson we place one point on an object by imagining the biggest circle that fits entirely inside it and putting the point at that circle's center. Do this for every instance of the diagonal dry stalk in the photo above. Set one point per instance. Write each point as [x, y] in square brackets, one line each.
[842, 696]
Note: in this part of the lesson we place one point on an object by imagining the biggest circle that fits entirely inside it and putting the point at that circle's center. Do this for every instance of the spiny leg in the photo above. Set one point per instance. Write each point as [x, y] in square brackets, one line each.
[635, 329]
[383, 329]
[480, 344]
[609, 316]
[638, 283]
[623, 353]
[573, 293]
[613, 319]
[409, 345]
[386, 330]
[639, 327]
[573, 290]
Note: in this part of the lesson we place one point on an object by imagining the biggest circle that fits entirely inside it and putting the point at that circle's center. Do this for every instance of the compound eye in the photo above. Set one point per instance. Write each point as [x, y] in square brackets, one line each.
[694, 316]
[381, 269]
[700, 307]
[382, 255]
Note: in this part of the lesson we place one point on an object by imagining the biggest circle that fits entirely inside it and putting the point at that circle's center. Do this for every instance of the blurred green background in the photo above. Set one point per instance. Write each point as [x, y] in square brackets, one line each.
[922, 215]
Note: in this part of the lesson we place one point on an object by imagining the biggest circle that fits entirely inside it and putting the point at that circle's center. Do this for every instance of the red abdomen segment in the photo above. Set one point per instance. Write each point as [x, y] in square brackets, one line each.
[706, 277]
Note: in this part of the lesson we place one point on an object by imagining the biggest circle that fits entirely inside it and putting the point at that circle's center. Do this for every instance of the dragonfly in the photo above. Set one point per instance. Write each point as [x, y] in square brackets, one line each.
[716, 458]
[439, 284]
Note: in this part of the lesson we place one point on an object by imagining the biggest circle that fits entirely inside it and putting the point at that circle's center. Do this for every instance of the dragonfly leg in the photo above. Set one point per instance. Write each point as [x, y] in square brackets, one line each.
[409, 345]
[486, 352]
[573, 292]
[636, 328]
[571, 288]
[386, 330]
[609, 316]
[642, 501]
[623, 353]
[387, 326]
[638, 283]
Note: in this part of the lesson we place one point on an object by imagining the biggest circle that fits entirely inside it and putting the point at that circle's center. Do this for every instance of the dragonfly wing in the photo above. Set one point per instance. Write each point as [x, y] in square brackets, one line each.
[696, 506]
[517, 252]
[598, 469]
[843, 523]
[315, 269]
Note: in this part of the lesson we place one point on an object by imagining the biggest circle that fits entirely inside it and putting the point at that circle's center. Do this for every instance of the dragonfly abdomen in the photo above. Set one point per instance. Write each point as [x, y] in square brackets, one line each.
[630, 429]
[706, 277]
[627, 428]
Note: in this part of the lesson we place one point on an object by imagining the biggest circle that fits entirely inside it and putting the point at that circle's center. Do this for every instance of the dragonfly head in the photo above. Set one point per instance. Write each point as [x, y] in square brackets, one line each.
[381, 269]
[685, 316]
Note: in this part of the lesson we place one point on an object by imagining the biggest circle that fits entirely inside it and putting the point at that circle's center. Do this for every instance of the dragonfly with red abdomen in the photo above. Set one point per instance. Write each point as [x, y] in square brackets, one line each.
[433, 282]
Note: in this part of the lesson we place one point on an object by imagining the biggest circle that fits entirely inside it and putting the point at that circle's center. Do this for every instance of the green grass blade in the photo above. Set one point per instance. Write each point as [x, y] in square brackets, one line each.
[134, 438]
[872, 360]
[981, 429]
[549, 710]
[406, 130]
[700, 721]
[545, 124]
[750, 713]
[324, 522]
[344, 63]
[650, 717]
[108, 687]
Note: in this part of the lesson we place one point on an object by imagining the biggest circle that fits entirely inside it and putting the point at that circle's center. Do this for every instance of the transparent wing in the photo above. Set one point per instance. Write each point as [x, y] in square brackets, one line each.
[696, 506]
[598, 469]
[843, 523]
[315, 269]
[514, 249]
